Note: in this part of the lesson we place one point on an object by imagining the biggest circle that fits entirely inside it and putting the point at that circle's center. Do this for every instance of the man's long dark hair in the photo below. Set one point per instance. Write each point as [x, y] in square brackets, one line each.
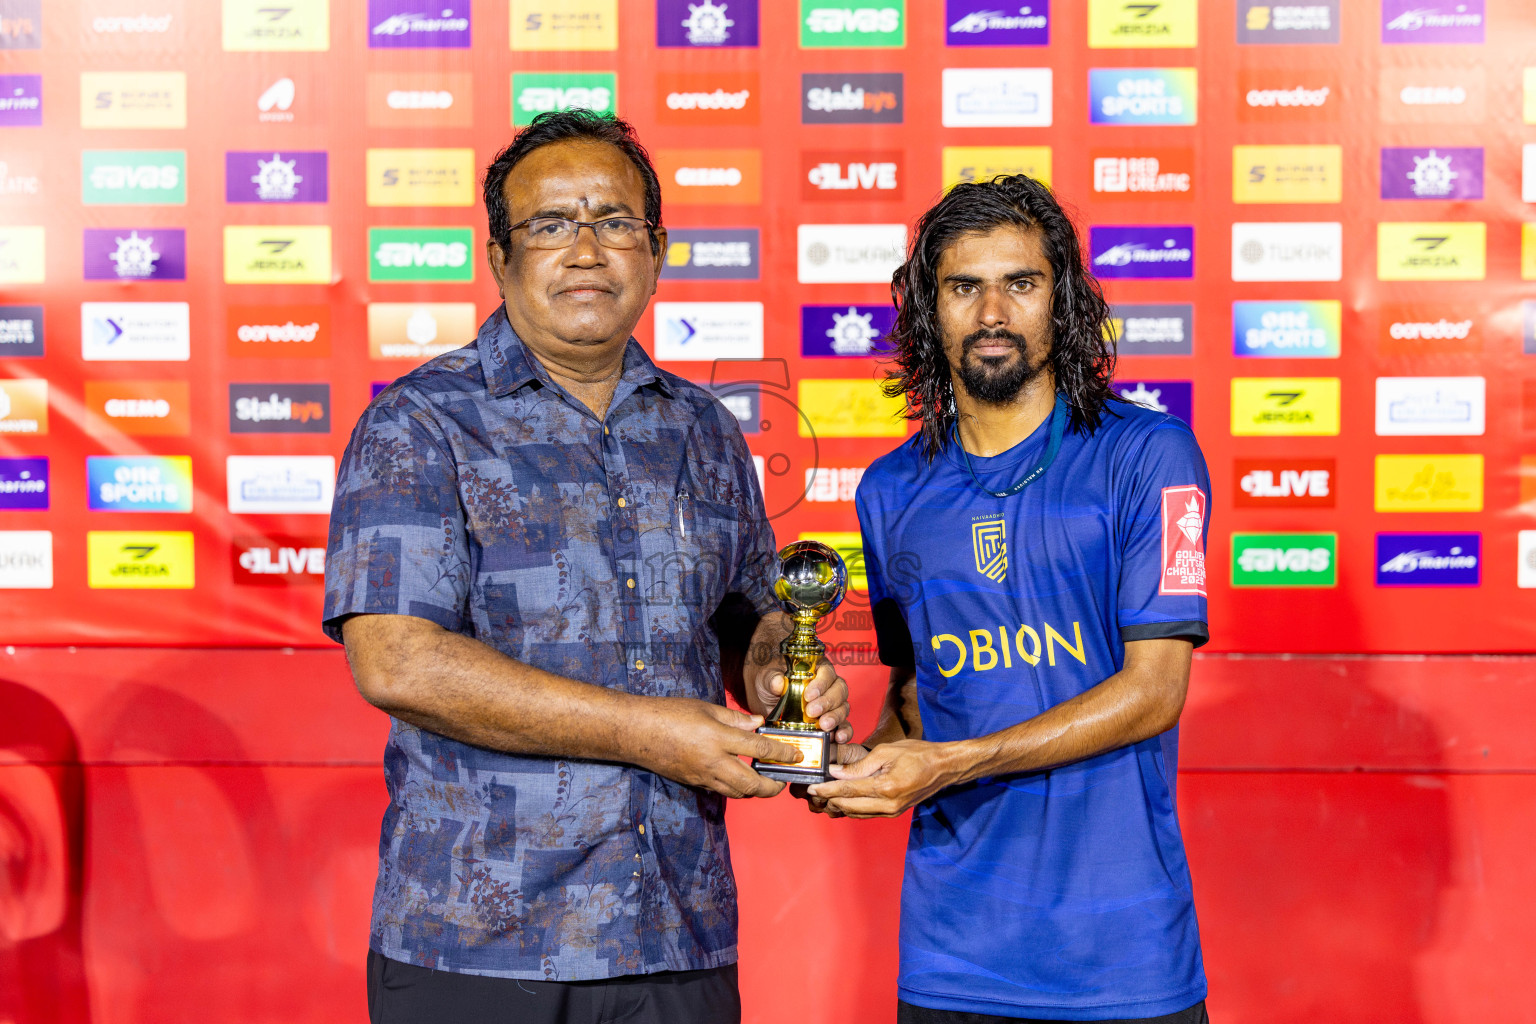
[1082, 350]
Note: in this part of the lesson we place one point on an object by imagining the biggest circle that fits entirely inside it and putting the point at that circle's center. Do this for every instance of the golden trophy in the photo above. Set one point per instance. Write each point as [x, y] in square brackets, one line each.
[810, 583]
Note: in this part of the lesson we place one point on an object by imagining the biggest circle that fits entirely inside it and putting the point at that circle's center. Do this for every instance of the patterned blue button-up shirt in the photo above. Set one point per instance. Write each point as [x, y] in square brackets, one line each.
[477, 493]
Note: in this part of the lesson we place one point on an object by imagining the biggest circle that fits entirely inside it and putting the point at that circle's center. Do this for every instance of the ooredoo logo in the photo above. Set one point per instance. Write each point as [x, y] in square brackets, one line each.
[689, 98]
[282, 332]
[1427, 330]
[843, 175]
[1288, 95]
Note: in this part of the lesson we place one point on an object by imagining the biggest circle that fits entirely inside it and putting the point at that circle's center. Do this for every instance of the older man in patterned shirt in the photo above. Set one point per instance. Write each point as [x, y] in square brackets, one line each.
[548, 561]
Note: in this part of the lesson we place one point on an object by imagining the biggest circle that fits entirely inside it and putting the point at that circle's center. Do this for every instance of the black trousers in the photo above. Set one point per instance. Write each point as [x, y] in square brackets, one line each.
[406, 994]
[906, 1013]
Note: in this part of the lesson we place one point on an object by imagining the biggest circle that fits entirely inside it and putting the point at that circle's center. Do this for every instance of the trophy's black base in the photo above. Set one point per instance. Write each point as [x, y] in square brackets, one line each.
[816, 755]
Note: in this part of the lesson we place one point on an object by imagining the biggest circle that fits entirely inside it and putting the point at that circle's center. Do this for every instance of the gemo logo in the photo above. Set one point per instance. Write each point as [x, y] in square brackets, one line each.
[422, 254]
[708, 177]
[419, 99]
[988, 649]
[853, 19]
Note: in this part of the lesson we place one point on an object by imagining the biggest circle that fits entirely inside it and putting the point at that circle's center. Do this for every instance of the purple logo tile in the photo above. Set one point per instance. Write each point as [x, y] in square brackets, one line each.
[23, 483]
[1143, 251]
[1175, 397]
[1436, 172]
[1414, 21]
[1429, 559]
[376, 387]
[21, 101]
[411, 24]
[845, 330]
[269, 176]
[706, 23]
[988, 23]
[135, 254]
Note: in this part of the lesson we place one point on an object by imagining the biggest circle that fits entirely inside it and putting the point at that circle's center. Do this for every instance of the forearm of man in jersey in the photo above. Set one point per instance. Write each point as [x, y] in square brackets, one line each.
[1140, 701]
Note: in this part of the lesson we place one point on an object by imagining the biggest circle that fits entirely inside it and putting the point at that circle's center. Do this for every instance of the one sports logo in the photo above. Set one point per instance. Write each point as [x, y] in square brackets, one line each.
[989, 543]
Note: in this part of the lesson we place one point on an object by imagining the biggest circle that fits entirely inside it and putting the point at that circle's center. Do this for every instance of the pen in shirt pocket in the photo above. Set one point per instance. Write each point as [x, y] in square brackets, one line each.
[684, 512]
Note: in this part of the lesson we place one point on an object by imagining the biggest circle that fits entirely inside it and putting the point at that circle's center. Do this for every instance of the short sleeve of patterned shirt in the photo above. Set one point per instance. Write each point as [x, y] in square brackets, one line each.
[478, 494]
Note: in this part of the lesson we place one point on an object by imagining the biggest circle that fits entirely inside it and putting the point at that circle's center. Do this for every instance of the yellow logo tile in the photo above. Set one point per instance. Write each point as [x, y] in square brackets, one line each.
[23, 407]
[1429, 483]
[22, 255]
[983, 163]
[264, 25]
[133, 99]
[1530, 95]
[1287, 174]
[421, 177]
[849, 408]
[1431, 251]
[134, 560]
[283, 254]
[1528, 251]
[851, 547]
[1285, 406]
[1138, 24]
[565, 24]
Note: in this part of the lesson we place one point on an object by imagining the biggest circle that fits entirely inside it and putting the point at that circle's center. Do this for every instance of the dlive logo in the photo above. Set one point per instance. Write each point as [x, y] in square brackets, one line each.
[1283, 483]
[278, 561]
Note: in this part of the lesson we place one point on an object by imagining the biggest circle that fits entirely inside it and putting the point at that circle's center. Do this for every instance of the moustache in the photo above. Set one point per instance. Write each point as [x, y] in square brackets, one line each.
[971, 340]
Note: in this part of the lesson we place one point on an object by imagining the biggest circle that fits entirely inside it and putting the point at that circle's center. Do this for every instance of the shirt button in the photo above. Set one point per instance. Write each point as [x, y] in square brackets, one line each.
[637, 874]
[630, 583]
[637, 856]
[621, 503]
[639, 664]
[642, 832]
[605, 430]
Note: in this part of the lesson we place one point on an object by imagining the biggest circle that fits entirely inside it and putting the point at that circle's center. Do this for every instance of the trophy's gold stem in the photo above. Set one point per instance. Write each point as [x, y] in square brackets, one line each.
[802, 650]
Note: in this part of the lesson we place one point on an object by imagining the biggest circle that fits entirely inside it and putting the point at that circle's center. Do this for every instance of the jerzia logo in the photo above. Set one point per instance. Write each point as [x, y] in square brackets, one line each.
[989, 543]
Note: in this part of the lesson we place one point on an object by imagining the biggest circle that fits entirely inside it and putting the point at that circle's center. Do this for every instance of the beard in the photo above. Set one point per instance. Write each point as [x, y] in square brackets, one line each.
[996, 380]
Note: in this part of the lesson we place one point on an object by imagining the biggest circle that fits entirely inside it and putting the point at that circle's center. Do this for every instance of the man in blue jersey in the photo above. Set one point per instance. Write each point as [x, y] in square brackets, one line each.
[1036, 564]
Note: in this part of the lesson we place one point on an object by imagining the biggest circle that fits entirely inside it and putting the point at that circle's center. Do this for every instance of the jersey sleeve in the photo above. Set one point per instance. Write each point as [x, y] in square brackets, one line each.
[893, 639]
[1163, 511]
[397, 539]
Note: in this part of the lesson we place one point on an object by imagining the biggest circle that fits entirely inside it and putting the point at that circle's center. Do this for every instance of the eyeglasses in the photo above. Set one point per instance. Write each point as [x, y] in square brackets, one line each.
[558, 232]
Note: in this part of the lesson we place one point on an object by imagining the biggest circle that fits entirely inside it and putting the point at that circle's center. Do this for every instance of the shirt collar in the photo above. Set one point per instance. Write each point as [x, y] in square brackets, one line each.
[509, 365]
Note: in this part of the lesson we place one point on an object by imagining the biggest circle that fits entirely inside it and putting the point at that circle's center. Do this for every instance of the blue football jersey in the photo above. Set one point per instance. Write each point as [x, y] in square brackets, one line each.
[1060, 894]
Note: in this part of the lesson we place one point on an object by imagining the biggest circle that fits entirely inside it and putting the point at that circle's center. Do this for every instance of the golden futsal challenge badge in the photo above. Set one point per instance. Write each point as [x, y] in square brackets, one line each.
[989, 543]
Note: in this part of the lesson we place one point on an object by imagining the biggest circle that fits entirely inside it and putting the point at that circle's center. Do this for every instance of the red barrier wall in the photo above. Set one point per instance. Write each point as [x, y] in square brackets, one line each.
[186, 834]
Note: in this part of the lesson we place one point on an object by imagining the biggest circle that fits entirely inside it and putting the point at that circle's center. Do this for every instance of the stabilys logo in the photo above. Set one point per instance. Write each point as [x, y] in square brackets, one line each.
[407, 24]
[421, 177]
[1433, 95]
[825, 25]
[1261, 21]
[278, 561]
[712, 254]
[1287, 174]
[706, 23]
[21, 25]
[133, 99]
[1431, 251]
[21, 332]
[692, 98]
[1142, 251]
[1289, 251]
[419, 99]
[1283, 483]
[271, 176]
[1424, 330]
[986, 23]
[140, 483]
[1429, 559]
[124, 560]
[989, 545]
[852, 98]
[1413, 21]
[419, 331]
[1430, 406]
[565, 25]
[836, 331]
[535, 93]
[1439, 172]
[835, 174]
[705, 331]
[848, 407]
[161, 408]
[282, 25]
[997, 97]
[1268, 95]
[135, 332]
[1145, 96]
[1285, 559]
[1143, 173]
[278, 254]
[849, 253]
[26, 559]
[279, 408]
[21, 101]
[280, 484]
[1429, 483]
[1154, 23]
[1184, 523]
[1285, 406]
[125, 177]
[711, 177]
[1153, 329]
[24, 484]
[1287, 330]
[1528, 309]
[1174, 397]
[983, 163]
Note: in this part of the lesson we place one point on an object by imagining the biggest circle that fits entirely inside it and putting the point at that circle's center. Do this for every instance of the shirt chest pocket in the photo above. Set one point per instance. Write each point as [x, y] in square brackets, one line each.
[692, 568]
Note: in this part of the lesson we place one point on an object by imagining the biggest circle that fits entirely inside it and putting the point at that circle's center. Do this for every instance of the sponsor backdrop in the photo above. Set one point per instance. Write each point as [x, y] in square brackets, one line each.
[224, 226]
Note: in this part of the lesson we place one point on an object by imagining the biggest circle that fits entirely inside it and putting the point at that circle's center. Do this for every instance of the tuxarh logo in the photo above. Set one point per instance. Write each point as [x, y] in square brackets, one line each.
[989, 545]
[983, 656]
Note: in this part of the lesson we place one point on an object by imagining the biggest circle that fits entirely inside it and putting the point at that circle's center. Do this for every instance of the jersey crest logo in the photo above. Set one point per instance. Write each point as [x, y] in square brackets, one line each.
[1184, 511]
[989, 543]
